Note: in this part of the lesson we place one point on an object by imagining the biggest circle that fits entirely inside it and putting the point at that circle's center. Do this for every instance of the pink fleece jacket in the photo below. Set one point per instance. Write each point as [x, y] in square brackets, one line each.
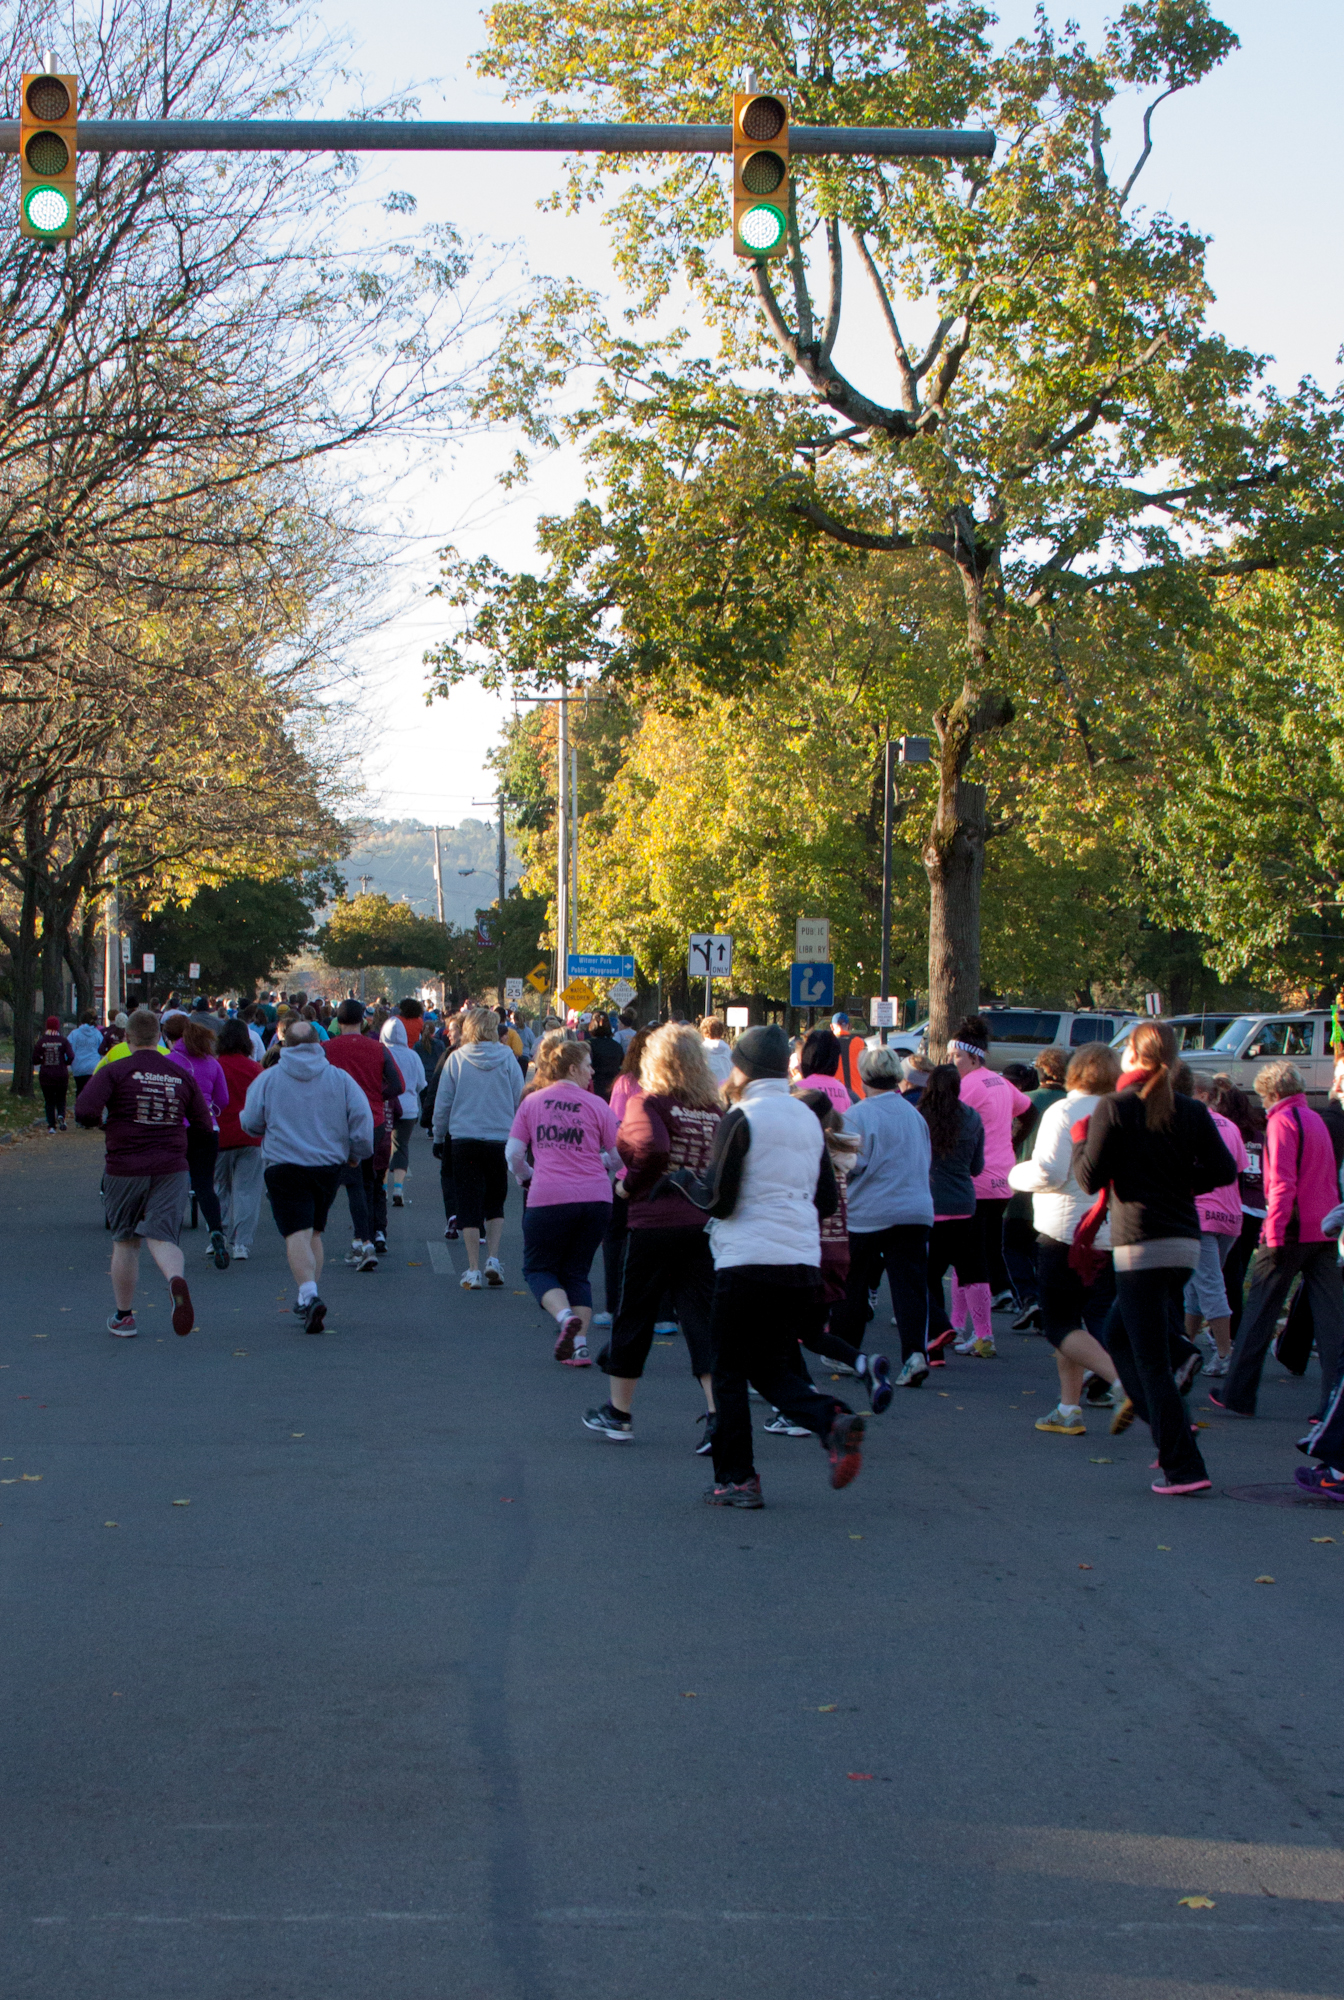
[1309, 1187]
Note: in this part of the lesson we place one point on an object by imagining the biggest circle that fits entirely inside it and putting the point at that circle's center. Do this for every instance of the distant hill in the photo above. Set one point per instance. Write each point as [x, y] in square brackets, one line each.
[397, 855]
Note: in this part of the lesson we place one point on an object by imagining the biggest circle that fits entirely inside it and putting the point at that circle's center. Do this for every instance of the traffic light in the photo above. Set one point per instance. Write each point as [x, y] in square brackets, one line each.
[760, 175]
[47, 113]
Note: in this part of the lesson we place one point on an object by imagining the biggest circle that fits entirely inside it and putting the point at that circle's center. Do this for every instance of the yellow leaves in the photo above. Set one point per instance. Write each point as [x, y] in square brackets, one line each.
[32, 1477]
[1323, 1538]
[1264, 1579]
[828, 1708]
[1197, 1902]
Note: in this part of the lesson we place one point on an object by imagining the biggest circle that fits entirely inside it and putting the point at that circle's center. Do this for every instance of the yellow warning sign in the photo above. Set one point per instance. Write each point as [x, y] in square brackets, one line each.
[578, 993]
[537, 979]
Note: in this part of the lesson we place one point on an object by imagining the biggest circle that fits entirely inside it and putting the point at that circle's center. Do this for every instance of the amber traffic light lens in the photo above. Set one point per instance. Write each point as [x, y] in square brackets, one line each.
[764, 119]
[48, 99]
[47, 153]
[762, 173]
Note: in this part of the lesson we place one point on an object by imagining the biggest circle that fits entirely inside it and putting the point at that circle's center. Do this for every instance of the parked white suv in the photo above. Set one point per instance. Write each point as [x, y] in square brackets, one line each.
[1020, 1033]
[1252, 1040]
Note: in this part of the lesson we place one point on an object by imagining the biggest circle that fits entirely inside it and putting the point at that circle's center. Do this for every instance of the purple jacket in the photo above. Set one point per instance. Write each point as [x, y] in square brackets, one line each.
[205, 1071]
[1300, 1179]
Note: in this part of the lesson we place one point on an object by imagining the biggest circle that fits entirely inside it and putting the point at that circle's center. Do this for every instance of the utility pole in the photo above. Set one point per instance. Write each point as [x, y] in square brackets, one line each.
[574, 847]
[111, 939]
[562, 844]
[888, 816]
[499, 925]
[438, 876]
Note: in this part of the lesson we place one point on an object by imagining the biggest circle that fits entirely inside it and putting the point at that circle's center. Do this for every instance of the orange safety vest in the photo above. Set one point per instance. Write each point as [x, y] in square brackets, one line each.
[851, 1048]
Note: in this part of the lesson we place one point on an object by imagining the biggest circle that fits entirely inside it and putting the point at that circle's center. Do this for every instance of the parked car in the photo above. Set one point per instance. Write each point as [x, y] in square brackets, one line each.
[1020, 1033]
[1193, 1031]
[1252, 1040]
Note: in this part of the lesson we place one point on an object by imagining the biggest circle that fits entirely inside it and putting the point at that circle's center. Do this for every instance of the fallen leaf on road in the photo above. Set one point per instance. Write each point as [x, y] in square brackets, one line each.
[1264, 1579]
[111, 1524]
[8, 1482]
[181, 1503]
[689, 1696]
[506, 1499]
[860, 1777]
[415, 1264]
[297, 1434]
[829, 1708]
[34, 1476]
[1101, 1461]
[1197, 1902]
[1084, 1565]
[856, 1538]
[240, 1354]
[1322, 1538]
[1201, 1427]
[39, 1336]
[1164, 1548]
[520, 1295]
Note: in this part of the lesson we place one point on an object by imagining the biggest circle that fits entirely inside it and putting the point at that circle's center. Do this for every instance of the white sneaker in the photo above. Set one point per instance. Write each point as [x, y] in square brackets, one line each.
[600, 1319]
[913, 1373]
[238, 1250]
[356, 1255]
[471, 1281]
[965, 1344]
[780, 1426]
[493, 1274]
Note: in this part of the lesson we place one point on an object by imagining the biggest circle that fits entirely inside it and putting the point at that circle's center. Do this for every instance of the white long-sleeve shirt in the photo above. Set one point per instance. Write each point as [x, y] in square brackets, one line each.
[1058, 1204]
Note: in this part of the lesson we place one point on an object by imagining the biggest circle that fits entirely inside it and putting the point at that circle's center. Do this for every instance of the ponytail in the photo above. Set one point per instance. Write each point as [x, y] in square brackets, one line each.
[1154, 1046]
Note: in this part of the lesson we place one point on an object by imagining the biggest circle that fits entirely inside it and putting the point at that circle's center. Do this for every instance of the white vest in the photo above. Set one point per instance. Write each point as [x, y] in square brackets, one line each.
[775, 1220]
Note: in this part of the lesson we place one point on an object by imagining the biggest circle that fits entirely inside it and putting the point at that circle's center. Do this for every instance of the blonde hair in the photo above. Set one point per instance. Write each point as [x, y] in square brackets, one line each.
[673, 1065]
[481, 1024]
[558, 1057]
[1279, 1079]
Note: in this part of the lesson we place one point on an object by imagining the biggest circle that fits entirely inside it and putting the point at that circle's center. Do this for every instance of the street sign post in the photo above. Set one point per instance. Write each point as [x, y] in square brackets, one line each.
[600, 965]
[882, 1013]
[710, 957]
[812, 985]
[622, 993]
[738, 1017]
[193, 970]
[812, 940]
[537, 979]
[148, 962]
[513, 991]
[578, 994]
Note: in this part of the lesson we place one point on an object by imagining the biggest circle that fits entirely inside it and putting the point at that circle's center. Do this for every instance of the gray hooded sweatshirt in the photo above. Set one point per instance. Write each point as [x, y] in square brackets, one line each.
[478, 1093]
[306, 1112]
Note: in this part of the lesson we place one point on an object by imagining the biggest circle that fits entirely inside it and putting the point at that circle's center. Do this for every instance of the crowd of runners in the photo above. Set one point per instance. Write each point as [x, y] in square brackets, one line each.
[752, 1196]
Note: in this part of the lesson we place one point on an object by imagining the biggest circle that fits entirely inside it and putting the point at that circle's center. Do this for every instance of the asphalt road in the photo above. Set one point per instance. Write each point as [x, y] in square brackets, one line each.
[430, 1694]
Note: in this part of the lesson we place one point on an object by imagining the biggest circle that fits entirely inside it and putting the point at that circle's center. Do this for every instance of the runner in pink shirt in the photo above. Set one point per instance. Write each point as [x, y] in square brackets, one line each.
[562, 1149]
[997, 1102]
[1220, 1220]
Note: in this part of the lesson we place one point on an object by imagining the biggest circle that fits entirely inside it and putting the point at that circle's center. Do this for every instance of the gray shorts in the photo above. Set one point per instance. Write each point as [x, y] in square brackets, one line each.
[145, 1205]
[1206, 1294]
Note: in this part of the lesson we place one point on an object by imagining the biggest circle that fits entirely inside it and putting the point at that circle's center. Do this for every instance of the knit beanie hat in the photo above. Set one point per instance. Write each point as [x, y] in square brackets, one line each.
[53, 1020]
[762, 1052]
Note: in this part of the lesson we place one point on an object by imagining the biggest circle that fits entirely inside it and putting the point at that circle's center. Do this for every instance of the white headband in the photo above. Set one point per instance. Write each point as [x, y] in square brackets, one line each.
[968, 1049]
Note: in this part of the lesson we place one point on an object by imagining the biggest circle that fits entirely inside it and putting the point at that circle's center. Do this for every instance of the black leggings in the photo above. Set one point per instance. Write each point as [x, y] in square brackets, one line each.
[956, 1243]
[202, 1151]
[989, 1215]
[1142, 1335]
[659, 1262]
[53, 1097]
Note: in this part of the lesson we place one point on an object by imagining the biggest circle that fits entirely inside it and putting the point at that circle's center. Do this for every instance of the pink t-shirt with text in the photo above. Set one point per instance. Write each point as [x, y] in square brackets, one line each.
[998, 1103]
[1220, 1211]
[566, 1131]
[829, 1086]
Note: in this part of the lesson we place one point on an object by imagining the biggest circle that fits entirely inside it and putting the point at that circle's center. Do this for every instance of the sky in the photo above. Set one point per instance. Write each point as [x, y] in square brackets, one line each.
[1243, 158]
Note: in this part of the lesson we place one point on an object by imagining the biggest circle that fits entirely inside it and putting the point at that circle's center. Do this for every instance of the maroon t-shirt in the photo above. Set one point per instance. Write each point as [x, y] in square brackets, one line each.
[146, 1097]
[656, 1135]
[365, 1061]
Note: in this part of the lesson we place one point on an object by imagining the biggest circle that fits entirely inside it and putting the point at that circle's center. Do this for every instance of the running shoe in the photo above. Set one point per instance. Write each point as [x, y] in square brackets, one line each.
[705, 1445]
[184, 1316]
[912, 1376]
[1184, 1376]
[580, 1358]
[938, 1360]
[779, 1426]
[1097, 1392]
[380, 1242]
[1003, 1302]
[611, 1423]
[877, 1375]
[1216, 1366]
[1064, 1423]
[450, 1233]
[1227, 1408]
[61, 1123]
[471, 1281]
[938, 1342]
[219, 1249]
[1178, 1489]
[238, 1251]
[355, 1255]
[964, 1343]
[571, 1330]
[666, 1326]
[1122, 1411]
[1028, 1320]
[368, 1260]
[398, 1201]
[984, 1350]
[844, 1449]
[314, 1316]
[1325, 1481]
[123, 1325]
[748, 1494]
[494, 1277]
[601, 1320]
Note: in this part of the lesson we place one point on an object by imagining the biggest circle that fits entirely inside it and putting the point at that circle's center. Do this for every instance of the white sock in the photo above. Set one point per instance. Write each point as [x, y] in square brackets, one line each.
[563, 1315]
[1070, 1409]
[307, 1293]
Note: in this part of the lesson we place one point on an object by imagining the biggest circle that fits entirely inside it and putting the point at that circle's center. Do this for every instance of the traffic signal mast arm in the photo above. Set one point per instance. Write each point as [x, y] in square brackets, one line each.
[340, 135]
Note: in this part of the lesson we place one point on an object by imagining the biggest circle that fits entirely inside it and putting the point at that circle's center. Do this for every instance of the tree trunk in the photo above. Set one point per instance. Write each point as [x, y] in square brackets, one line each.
[81, 950]
[23, 955]
[954, 859]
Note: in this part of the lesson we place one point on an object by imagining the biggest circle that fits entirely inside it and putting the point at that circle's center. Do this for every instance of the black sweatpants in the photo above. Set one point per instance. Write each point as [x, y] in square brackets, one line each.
[902, 1251]
[1237, 1265]
[357, 1180]
[760, 1313]
[1272, 1272]
[989, 1215]
[1141, 1336]
[202, 1152]
[956, 1243]
[659, 1263]
[53, 1098]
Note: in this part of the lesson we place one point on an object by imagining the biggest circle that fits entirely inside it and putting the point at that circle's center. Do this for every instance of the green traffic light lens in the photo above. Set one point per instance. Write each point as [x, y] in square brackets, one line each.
[762, 228]
[47, 209]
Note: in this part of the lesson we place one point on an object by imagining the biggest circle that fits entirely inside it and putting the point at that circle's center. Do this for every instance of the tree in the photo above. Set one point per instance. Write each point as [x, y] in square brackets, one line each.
[1066, 431]
[371, 930]
[240, 934]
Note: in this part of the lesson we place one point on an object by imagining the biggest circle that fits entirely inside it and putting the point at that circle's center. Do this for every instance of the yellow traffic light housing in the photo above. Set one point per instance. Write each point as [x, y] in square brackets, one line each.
[760, 175]
[48, 108]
